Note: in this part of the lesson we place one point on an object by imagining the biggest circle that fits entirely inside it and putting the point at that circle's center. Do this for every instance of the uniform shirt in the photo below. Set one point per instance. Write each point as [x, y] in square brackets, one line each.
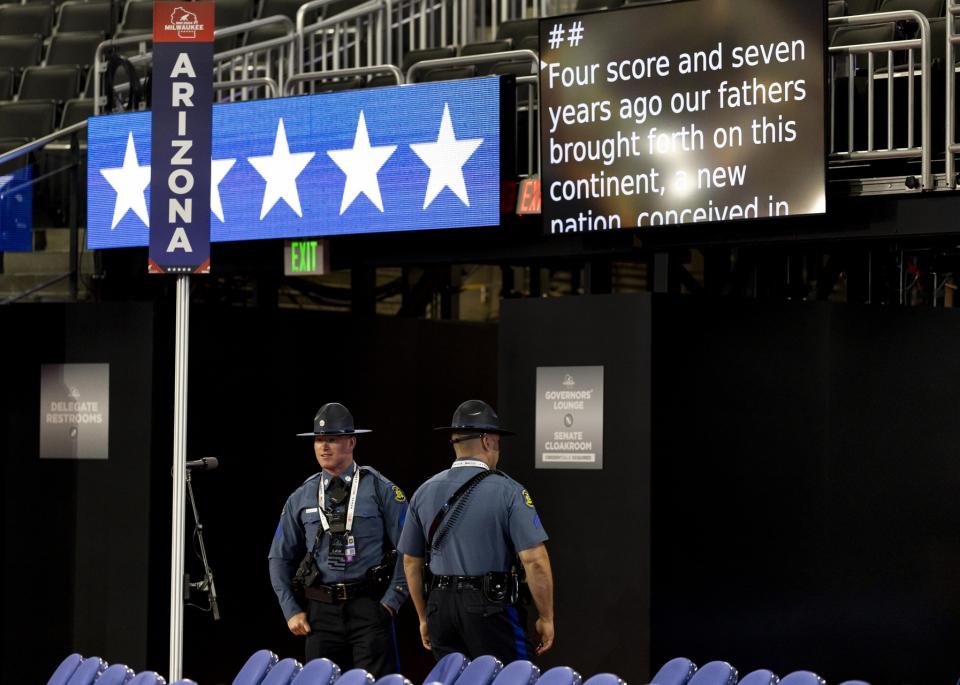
[497, 521]
[377, 521]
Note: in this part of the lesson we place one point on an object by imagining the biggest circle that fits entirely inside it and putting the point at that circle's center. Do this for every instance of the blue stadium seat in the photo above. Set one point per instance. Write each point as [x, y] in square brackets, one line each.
[394, 679]
[802, 678]
[284, 672]
[714, 673]
[760, 677]
[448, 669]
[481, 671]
[256, 668]
[518, 672]
[117, 674]
[147, 678]
[317, 672]
[88, 671]
[65, 670]
[604, 679]
[560, 675]
[357, 676]
[675, 672]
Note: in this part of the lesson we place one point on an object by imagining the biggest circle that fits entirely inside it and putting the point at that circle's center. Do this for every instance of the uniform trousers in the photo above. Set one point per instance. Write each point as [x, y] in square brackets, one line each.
[463, 620]
[355, 634]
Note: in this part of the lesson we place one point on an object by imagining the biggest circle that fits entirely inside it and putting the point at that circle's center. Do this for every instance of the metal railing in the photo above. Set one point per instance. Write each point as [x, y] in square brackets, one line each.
[891, 73]
[73, 190]
[355, 38]
[952, 148]
[310, 79]
[272, 59]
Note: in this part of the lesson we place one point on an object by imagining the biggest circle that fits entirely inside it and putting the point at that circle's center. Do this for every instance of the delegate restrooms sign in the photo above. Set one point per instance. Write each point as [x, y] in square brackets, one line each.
[682, 112]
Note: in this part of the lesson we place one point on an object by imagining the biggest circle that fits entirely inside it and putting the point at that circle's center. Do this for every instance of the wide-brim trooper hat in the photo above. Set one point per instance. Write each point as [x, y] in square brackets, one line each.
[475, 416]
[333, 419]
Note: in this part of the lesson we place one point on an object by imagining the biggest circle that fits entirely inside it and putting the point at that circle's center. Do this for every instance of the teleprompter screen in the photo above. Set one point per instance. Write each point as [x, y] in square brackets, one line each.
[682, 112]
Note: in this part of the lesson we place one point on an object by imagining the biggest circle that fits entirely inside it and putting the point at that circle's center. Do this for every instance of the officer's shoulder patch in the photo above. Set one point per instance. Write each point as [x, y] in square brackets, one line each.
[398, 494]
[527, 499]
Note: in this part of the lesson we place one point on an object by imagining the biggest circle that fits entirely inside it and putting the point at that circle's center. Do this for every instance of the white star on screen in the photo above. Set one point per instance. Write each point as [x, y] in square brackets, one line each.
[280, 171]
[218, 169]
[129, 181]
[446, 158]
[361, 164]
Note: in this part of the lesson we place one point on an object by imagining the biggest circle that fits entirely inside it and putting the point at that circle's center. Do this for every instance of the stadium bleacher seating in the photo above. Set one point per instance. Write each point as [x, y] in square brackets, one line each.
[66, 669]
[675, 672]
[714, 673]
[264, 668]
[256, 667]
[520, 672]
[481, 671]
[802, 678]
[356, 676]
[88, 671]
[20, 51]
[760, 677]
[76, 47]
[560, 675]
[7, 79]
[282, 673]
[116, 674]
[18, 20]
[86, 15]
[59, 82]
[448, 669]
[317, 672]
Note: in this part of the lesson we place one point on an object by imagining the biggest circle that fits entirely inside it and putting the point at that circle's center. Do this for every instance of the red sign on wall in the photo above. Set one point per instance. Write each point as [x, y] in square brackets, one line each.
[183, 22]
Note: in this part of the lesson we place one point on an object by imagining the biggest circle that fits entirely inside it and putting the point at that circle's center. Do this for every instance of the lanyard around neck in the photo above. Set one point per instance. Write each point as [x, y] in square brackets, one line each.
[321, 498]
[460, 463]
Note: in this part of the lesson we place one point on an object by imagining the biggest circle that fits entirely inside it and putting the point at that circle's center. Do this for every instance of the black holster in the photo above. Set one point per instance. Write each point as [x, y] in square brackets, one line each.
[306, 575]
[379, 576]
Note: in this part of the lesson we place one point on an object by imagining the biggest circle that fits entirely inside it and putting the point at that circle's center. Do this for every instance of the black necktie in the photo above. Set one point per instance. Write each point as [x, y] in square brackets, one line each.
[338, 491]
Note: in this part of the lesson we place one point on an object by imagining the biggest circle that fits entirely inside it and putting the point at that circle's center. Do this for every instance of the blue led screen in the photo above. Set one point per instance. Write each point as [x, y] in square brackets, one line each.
[424, 156]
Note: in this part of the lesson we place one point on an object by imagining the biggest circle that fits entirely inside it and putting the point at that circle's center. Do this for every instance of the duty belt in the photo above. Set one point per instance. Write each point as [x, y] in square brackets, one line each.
[458, 582]
[337, 593]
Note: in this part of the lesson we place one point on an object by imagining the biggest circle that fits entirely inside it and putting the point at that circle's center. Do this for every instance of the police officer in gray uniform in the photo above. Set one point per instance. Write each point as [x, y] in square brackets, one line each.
[333, 564]
[465, 530]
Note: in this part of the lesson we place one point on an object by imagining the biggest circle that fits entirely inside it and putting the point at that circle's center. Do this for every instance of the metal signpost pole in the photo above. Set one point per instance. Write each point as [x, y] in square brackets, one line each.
[179, 476]
[180, 150]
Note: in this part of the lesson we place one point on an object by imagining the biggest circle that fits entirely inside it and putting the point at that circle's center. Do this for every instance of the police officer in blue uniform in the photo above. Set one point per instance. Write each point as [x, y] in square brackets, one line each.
[333, 563]
[463, 535]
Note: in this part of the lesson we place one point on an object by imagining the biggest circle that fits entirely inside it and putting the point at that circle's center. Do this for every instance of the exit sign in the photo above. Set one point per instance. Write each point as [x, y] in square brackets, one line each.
[306, 257]
[528, 199]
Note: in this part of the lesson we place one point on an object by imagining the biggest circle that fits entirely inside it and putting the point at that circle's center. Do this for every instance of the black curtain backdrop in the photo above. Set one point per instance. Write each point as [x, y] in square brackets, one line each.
[598, 521]
[87, 544]
[801, 483]
[805, 489]
[76, 534]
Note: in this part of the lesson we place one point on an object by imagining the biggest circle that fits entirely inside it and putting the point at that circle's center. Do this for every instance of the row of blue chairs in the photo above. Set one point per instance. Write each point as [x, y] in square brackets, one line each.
[76, 670]
[682, 671]
[264, 668]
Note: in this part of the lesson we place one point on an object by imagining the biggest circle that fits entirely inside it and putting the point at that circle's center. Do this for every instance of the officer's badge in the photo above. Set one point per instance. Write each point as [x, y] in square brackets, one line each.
[527, 499]
[398, 494]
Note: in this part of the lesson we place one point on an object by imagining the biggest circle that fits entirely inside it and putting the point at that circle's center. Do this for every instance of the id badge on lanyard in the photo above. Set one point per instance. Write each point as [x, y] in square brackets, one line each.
[342, 545]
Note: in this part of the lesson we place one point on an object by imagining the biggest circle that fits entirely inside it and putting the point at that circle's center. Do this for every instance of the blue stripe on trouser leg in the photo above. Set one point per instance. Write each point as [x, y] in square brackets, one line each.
[518, 632]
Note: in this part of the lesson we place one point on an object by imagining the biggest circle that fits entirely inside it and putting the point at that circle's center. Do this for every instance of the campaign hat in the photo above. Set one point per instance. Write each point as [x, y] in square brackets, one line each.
[333, 419]
[475, 416]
